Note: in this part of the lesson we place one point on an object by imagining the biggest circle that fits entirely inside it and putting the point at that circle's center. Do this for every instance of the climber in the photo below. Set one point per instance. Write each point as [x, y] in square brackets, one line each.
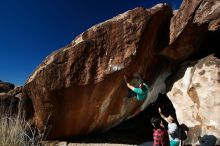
[139, 91]
[172, 129]
[160, 134]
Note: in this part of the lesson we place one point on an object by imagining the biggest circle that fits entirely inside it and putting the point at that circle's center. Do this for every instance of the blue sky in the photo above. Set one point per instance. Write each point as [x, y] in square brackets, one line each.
[31, 29]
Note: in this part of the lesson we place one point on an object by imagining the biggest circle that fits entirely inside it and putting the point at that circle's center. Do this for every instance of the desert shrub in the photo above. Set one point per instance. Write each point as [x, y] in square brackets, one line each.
[15, 131]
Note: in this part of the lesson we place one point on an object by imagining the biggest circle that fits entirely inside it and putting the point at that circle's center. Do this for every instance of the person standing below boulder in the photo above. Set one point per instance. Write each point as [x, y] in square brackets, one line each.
[172, 129]
[160, 134]
[139, 91]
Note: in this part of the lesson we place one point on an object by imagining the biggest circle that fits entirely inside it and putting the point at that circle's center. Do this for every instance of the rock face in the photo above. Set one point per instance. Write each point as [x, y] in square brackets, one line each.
[9, 98]
[13, 103]
[80, 88]
[196, 98]
[191, 27]
[5, 86]
[194, 32]
[9, 101]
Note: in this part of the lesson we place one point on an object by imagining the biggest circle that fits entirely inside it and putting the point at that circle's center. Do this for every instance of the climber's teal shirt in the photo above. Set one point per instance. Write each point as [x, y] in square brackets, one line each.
[140, 93]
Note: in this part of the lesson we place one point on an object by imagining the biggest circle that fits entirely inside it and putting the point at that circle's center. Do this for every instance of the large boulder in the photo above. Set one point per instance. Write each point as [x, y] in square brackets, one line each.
[196, 98]
[5, 86]
[9, 101]
[194, 26]
[80, 88]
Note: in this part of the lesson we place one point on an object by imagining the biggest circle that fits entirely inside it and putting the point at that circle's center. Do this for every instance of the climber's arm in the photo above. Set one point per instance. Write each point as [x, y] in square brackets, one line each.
[130, 86]
[162, 115]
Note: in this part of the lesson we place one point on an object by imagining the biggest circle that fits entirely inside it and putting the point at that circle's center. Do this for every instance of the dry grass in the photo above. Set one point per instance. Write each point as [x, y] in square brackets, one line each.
[15, 131]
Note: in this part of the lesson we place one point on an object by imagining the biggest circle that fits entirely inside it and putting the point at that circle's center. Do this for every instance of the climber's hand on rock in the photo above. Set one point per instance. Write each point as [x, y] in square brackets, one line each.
[159, 110]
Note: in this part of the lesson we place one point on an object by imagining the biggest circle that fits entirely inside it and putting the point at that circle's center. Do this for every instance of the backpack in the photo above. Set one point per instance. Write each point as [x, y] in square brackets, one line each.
[182, 132]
